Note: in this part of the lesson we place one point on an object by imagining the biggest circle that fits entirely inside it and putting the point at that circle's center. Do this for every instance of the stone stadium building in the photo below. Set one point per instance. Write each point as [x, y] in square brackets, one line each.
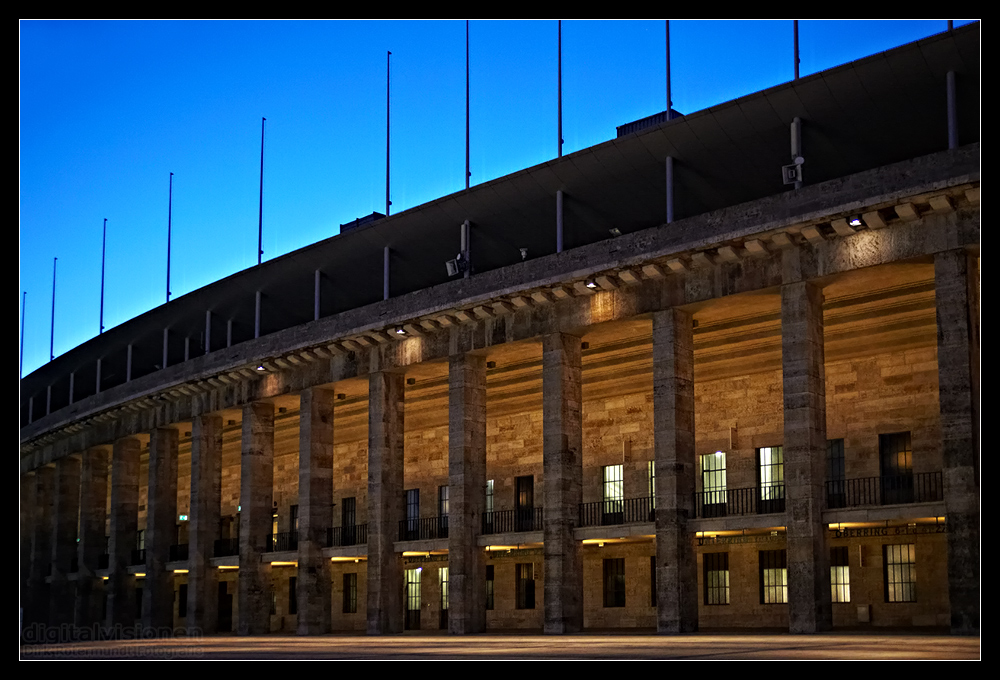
[677, 380]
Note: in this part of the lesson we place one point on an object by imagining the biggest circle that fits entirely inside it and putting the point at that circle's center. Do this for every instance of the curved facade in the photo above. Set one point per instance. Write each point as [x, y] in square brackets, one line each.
[699, 397]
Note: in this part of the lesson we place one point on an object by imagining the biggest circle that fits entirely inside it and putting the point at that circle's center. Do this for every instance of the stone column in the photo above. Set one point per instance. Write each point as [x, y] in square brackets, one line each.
[161, 531]
[385, 502]
[315, 510]
[562, 458]
[65, 509]
[124, 526]
[673, 446]
[37, 606]
[956, 281]
[467, 484]
[203, 524]
[93, 539]
[256, 499]
[803, 385]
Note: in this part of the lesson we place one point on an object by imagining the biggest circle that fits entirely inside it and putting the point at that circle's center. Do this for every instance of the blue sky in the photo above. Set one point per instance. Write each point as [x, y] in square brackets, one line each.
[109, 108]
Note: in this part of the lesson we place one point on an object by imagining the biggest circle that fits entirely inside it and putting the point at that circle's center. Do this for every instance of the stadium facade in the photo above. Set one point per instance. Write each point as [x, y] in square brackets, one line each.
[659, 388]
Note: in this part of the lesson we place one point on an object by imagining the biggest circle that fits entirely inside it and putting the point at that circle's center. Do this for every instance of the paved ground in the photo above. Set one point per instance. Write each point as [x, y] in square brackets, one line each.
[534, 647]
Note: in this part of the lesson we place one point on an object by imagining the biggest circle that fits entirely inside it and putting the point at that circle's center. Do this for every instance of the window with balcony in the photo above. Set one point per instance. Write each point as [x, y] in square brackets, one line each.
[773, 576]
[836, 483]
[713, 484]
[612, 509]
[840, 575]
[896, 467]
[442, 511]
[900, 572]
[524, 503]
[614, 582]
[715, 568]
[412, 515]
[770, 480]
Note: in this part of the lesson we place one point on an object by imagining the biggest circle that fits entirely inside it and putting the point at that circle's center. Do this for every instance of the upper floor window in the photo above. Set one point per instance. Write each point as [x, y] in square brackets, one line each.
[771, 479]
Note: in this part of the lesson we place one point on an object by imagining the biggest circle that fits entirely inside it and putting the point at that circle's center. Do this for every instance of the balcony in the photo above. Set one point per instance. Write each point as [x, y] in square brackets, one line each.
[925, 487]
[506, 521]
[423, 528]
[285, 541]
[226, 547]
[608, 513]
[343, 536]
[734, 502]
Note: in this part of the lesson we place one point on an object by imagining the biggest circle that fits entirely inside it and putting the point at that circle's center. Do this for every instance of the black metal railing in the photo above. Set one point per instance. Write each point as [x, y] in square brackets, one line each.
[423, 528]
[752, 501]
[352, 535]
[626, 511]
[504, 521]
[226, 547]
[925, 487]
[287, 540]
[178, 552]
[138, 556]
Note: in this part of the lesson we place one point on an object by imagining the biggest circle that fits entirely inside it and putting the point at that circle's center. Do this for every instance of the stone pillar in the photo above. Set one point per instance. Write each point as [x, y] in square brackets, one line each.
[256, 499]
[803, 385]
[315, 509]
[674, 455]
[956, 281]
[203, 524]
[467, 484]
[93, 540]
[65, 509]
[37, 609]
[161, 531]
[124, 526]
[562, 457]
[385, 502]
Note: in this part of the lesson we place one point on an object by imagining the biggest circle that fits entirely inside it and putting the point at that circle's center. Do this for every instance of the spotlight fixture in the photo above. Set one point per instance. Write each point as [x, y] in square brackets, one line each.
[524, 253]
[260, 368]
[615, 231]
[400, 330]
[855, 222]
[591, 283]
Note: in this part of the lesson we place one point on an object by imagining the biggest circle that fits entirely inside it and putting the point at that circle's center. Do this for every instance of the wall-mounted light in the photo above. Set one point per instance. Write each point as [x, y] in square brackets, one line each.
[400, 330]
[615, 231]
[590, 283]
[855, 222]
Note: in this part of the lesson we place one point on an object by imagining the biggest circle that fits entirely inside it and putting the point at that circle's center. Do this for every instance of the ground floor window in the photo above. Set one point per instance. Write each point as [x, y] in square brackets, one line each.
[525, 574]
[900, 572]
[614, 582]
[489, 587]
[293, 600]
[443, 580]
[350, 593]
[773, 577]
[840, 575]
[413, 599]
[716, 577]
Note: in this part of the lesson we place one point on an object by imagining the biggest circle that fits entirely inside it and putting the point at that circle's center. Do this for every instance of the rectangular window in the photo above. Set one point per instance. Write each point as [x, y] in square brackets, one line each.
[614, 582]
[713, 484]
[770, 479]
[412, 599]
[442, 512]
[525, 574]
[900, 572]
[716, 577]
[293, 518]
[524, 503]
[348, 521]
[840, 575]
[489, 495]
[652, 581]
[443, 581]
[350, 593]
[412, 514]
[182, 600]
[614, 495]
[489, 587]
[836, 494]
[293, 600]
[651, 475]
[773, 577]
[896, 463]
